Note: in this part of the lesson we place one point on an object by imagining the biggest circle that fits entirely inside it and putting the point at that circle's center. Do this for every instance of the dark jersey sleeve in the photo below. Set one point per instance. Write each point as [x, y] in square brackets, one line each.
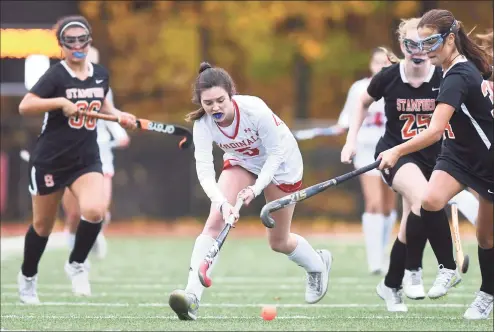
[45, 87]
[377, 86]
[453, 91]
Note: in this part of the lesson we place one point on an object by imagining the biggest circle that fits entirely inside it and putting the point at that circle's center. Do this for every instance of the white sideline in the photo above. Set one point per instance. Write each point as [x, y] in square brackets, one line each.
[174, 317]
[235, 305]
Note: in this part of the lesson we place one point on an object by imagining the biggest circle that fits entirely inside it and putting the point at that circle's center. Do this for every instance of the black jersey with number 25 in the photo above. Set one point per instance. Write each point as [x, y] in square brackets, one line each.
[65, 142]
[408, 109]
[471, 147]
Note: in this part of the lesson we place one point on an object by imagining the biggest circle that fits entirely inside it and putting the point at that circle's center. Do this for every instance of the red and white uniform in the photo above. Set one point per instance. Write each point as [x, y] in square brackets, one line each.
[108, 132]
[257, 140]
[373, 126]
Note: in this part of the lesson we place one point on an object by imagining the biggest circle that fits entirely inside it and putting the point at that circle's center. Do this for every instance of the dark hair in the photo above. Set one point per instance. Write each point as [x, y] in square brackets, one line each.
[62, 23]
[209, 77]
[442, 20]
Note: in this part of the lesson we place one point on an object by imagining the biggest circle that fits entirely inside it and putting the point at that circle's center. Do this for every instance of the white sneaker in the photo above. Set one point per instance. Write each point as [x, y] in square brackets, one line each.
[27, 289]
[100, 247]
[413, 284]
[445, 280]
[78, 273]
[481, 307]
[392, 297]
[317, 282]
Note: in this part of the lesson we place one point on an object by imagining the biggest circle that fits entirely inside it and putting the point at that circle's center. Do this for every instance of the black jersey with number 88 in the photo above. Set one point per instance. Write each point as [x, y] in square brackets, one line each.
[64, 141]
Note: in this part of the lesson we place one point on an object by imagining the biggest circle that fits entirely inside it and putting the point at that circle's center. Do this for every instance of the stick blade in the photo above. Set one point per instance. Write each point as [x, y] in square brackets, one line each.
[202, 274]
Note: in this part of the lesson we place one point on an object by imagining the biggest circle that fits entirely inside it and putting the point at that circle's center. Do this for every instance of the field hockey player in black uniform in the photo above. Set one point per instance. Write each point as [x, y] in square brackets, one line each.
[409, 88]
[66, 154]
[465, 100]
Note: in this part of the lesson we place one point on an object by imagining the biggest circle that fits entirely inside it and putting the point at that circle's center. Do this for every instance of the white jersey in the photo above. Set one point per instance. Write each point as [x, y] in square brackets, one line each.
[108, 132]
[374, 124]
[257, 140]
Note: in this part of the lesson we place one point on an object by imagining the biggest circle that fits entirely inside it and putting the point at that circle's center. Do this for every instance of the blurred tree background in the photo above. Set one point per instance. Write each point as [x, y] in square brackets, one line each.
[300, 56]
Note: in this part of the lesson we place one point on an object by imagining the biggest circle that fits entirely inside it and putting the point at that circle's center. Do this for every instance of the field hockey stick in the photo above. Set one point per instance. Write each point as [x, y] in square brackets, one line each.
[144, 124]
[303, 194]
[306, 134]
[213, 252]
[462, 260]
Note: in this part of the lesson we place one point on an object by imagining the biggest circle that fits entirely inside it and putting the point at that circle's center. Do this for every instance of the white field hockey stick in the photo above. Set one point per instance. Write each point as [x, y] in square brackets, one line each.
[462, 260]
[219, 241]
[306, 134]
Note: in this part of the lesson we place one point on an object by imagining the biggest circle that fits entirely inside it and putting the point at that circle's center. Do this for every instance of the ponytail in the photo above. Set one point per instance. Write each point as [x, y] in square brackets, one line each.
[195, 115]
[473, 52]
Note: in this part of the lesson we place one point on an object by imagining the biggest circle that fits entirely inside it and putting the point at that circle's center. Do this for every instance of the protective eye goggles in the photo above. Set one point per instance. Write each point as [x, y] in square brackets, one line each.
[71, 41]
[428, 44]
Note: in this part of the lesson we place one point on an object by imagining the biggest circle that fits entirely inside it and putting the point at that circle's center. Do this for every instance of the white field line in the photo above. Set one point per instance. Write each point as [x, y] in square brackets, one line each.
[246, 294]
[234, 305]
[174, 317]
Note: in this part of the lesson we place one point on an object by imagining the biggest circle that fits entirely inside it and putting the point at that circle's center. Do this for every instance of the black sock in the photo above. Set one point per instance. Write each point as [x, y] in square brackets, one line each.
[34, 246]
[485, 257]
[86, 234]
[438, 232]
[395, 273]
[415, 241]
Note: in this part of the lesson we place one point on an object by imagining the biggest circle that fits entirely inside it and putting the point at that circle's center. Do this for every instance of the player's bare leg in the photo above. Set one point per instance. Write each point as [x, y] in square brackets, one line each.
[373, 221]
[100, 248]
[438, 230]
[185, 303]
[45, 209]
[316, 263]
[72, 216]
[482, 305]
[390, 212]
[88, 189]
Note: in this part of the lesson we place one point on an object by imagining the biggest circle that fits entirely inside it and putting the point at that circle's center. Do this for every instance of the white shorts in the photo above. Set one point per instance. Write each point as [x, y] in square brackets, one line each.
[365, 155]
[288, 177]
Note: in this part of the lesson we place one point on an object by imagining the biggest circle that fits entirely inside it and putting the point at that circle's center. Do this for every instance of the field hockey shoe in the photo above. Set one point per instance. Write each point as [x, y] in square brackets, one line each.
[27, 289]
[481, 307]
[184, 304]
[392, 296]
[445, 280]
[78, 274]
[317, 282]
[412, 284]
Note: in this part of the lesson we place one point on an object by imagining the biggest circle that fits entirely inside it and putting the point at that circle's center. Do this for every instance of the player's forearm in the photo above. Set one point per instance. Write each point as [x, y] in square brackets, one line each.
[356, 122]
[31, 105]
[206, 178]
[422, 140]
[267, 172]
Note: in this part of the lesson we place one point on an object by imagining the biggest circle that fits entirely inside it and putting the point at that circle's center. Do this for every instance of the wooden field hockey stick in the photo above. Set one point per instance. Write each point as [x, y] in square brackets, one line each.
[303, 194]
[219, 241]
[462, 260]
[143, 124]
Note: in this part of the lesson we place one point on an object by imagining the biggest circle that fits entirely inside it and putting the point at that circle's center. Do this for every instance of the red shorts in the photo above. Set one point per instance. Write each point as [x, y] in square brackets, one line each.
[285, 187]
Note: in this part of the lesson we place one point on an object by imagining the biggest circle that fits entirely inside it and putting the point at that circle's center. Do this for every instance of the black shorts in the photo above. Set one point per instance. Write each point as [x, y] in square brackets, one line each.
[44, 181]
[484, 187]
[389, 174]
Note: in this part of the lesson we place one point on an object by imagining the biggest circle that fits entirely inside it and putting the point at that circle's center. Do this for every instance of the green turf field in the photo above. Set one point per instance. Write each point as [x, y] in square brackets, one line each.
[131, 287]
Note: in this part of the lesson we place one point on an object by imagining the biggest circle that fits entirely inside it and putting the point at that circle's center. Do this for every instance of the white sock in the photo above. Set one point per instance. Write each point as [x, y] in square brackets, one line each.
[201, 247]
[467, 204]
[388, 227]
[71, 239]
[373, 224]
[305, 256]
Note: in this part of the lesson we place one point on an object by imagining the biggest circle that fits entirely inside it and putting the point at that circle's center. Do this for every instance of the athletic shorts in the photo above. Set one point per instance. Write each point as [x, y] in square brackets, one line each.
[389, 174]
[482, 186]
[44, 181]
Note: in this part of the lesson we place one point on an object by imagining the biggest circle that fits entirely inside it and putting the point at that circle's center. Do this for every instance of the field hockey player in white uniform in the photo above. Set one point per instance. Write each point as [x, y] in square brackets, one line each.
[379, 214]
[261, 155]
